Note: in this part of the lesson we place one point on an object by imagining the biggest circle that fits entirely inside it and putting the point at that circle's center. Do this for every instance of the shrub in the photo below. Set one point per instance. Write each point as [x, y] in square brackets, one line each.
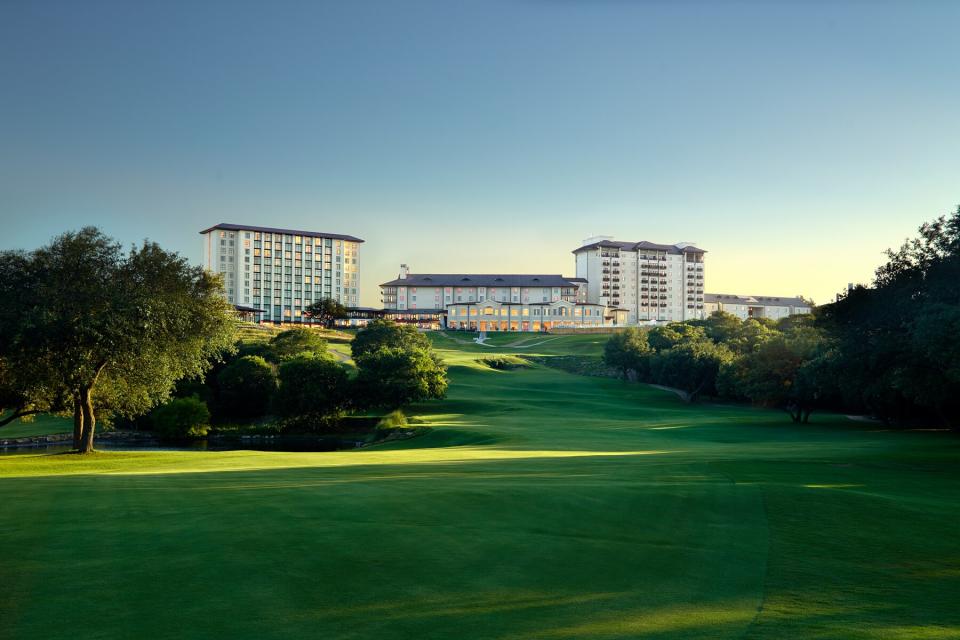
[504, 363]
[246, 386]
[296, 342]
[314, 392]
[181, 418]
[393, 420]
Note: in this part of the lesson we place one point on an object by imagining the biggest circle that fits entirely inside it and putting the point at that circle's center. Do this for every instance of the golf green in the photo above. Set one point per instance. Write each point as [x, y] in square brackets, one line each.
[541, 505]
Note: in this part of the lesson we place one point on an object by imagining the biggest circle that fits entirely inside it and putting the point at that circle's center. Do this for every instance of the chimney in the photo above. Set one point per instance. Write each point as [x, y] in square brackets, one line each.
[404, 271]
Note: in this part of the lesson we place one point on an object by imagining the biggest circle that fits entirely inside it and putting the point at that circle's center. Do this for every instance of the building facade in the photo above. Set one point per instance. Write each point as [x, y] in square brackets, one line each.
[282, 271]
[494, 302]
[653, 282]
[745, 307]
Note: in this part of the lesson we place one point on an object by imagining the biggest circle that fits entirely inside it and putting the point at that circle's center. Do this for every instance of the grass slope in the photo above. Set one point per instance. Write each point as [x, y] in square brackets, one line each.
[542, 505]
[40, 425]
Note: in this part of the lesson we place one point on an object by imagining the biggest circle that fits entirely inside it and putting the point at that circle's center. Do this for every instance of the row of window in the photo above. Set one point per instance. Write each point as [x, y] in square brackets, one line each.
[526, 311]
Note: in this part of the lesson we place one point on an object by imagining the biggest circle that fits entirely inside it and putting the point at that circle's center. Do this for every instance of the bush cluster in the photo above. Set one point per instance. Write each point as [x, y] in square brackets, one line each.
[504, 363]
[181, 419]
[294, 382]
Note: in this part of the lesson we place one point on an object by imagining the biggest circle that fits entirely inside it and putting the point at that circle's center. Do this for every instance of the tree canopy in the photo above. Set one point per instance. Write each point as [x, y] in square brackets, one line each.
[104, 328]
[246, 386]
[396, 365]
[627, 351]
[387, 333]
[295, 342]
[326, 311]
[897, 340]
[314, 391]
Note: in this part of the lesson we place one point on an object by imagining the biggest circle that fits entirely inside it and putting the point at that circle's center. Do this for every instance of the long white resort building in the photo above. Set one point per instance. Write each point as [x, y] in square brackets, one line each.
[277, 273]
[744, 307]
[654, 282]
[495, 302]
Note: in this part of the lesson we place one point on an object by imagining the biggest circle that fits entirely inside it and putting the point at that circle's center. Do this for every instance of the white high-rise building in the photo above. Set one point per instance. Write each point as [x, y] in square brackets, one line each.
[280, 272]
[653, 282]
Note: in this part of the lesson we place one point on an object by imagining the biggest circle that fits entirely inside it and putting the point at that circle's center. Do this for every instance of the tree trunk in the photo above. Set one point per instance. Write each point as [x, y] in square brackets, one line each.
[89, 421]
[77, 423]
[806, 416]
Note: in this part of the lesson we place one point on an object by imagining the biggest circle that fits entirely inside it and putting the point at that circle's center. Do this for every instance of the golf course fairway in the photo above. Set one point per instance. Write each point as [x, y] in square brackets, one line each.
[541, 504]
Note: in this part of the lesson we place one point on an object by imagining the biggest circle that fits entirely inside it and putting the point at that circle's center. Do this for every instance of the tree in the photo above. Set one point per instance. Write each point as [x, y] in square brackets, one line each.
[628, 351]
[391, 377]
[246, 386]
[788, 371]
[326, 311]
[109, 330]
[740, 336]
[314, 391]
[894, 339]
[387, 333]
[181, 418]
[721, 327]
[666, 337]
[691, 366]
[295, 342]
[28, 390]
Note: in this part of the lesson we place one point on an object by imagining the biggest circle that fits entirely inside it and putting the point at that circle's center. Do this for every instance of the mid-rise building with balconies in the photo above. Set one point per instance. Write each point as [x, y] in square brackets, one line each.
[654, 282]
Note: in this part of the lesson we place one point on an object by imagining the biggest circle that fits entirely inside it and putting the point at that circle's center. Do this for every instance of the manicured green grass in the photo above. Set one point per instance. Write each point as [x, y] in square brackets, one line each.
[41, 425]
[542, 505]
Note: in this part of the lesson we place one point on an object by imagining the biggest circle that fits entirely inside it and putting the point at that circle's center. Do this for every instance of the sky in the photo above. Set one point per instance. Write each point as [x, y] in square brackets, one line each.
[794, 141]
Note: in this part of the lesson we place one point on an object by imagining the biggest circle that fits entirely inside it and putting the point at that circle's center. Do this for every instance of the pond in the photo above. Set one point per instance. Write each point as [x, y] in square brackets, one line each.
[276, 443]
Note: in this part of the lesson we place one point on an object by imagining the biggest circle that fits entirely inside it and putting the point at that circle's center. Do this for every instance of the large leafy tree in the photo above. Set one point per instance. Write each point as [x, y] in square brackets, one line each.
[246, 386]
[789, 371]
[628, 351]
[387, 333]
[896, 340]
[107, 329]
[295, 342]
[392, 377]
[675, 333]
[396, 365]
[691, 366]
[314, 391]
[326, 311]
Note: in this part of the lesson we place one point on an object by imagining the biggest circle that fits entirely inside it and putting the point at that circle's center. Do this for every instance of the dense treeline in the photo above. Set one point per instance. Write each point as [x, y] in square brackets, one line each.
[759, 360]
[897, 342]
[891, 349]
[293, 383]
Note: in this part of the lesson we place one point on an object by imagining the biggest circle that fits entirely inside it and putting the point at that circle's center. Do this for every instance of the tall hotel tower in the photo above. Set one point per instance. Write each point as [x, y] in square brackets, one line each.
[653, 282]
[280, 272]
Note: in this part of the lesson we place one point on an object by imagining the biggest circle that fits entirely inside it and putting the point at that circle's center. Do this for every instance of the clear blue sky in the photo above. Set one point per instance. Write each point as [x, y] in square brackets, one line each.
[792, 140]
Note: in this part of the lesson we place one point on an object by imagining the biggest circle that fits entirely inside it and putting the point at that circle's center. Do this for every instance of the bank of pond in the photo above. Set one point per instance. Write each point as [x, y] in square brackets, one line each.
[355, 432]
